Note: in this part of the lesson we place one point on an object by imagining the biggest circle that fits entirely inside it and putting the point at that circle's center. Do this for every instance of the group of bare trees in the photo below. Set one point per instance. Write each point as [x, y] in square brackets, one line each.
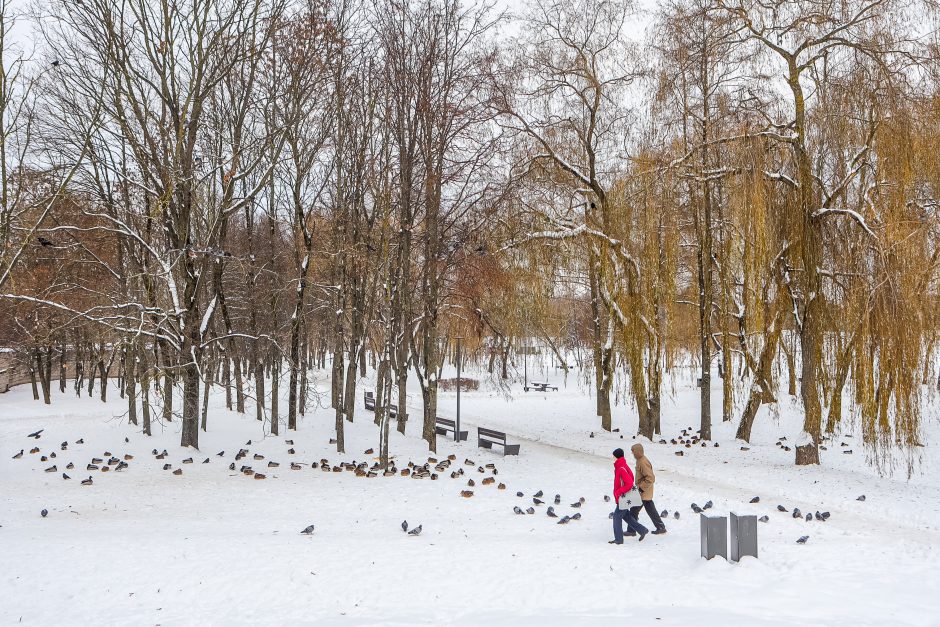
[230, 192]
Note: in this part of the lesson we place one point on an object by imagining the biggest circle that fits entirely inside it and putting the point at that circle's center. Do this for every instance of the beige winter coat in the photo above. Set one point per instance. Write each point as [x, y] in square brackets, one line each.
[644, 473]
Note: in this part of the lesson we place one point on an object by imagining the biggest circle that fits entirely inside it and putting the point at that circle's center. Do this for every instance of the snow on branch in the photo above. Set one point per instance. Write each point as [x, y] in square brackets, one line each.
[820, 213]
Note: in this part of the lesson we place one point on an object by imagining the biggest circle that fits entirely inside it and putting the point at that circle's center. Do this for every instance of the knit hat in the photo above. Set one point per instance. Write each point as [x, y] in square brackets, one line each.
[618, 453]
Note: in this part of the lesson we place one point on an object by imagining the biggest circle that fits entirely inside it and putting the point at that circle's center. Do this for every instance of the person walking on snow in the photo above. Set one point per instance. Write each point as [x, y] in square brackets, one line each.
[644, 482]
[623, 483]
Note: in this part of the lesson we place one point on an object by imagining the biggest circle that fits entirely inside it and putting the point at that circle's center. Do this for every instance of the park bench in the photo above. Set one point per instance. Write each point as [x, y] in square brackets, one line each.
[369, 401]
[540, 386]
[443, 426]
[486, 438]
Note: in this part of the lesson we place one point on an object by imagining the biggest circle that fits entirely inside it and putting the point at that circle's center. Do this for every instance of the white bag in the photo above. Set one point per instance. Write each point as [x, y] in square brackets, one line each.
[623, 503]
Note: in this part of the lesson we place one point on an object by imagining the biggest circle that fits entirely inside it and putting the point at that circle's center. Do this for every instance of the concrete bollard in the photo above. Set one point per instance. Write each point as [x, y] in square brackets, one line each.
[714, 536]
[743, 536]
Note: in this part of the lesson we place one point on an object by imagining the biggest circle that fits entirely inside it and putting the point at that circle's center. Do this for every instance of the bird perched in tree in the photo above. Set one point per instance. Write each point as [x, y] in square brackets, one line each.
[756, 499]
[44, 513]
[764, 518]
[87, 481]
[518, 510]
[802, 540]
[416, 531]
[307, 530]
[551, 512]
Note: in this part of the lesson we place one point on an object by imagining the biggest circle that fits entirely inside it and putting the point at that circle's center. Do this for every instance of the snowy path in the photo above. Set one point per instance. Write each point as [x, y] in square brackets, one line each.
[215, 547]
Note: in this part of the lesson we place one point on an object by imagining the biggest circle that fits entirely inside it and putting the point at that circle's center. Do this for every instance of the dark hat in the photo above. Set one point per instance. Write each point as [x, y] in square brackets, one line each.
[618, 453]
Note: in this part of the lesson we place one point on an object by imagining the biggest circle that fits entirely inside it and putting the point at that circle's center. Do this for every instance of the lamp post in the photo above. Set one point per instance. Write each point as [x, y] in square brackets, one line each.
[457, 430]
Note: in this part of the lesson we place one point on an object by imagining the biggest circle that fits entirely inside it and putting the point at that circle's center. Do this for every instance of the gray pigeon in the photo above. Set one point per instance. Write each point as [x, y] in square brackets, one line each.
[518, 510]
[65, 476]
[564, 520]
[538, 494]
[416, 531]
[664, 513]
[696, 508]
[610, 516]
[797, 513]
[404, 526]
[531, 510]
[675, 515]
[861, 498]
[520, 494]
[756, 499]
[551, 512]
[607, 498]
[809, 517]
[577, 516]
[825, 515]
[557, 499]
[537, 501]
[576, 504]
[44, 513]
[802, 540]
[781, 508]
[308, 530]
[764, 518]
[708, 505]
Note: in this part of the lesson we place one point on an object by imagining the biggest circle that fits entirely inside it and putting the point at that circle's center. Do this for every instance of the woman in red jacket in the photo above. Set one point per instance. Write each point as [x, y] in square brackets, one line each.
[623, 483]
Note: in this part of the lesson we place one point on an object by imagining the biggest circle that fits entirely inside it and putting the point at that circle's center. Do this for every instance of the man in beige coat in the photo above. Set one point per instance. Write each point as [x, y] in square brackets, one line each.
[644, 483]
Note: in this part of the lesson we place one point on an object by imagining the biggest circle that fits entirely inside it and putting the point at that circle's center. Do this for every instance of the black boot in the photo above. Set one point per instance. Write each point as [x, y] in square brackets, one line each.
[659, 531]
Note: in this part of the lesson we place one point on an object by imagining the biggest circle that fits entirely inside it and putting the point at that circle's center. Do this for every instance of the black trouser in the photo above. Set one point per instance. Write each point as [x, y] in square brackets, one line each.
[650, 508]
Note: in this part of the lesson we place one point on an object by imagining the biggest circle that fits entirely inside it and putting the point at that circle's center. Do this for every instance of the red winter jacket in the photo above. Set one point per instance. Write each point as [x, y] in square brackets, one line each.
[623, 478]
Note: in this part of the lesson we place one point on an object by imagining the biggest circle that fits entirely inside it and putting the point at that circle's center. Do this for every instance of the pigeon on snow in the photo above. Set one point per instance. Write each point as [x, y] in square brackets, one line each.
[551, 512]
[307, 530]
[802, 540]
[404, 526]
[756, 499]
[518, 510]
[416, 531]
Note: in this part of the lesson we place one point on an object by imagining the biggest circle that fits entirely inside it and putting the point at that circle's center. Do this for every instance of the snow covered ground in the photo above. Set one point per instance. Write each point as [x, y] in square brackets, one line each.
[213, 546]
